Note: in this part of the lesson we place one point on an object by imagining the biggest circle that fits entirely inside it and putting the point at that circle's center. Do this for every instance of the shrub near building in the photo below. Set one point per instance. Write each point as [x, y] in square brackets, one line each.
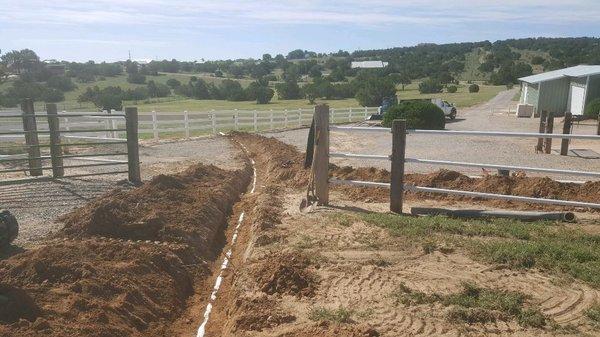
[418, 115]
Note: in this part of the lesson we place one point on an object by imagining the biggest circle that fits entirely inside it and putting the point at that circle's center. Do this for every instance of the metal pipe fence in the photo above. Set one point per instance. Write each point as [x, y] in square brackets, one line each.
[57, 143]
[398, 158]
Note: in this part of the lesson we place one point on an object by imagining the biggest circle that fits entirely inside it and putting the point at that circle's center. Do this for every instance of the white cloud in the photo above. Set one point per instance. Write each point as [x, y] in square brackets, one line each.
[212, 13]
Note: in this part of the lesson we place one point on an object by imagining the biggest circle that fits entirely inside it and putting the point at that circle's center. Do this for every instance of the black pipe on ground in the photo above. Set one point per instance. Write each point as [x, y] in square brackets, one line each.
[479, 213]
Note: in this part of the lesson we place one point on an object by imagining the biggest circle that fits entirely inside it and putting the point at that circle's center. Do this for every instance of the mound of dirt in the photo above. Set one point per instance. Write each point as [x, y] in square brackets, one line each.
[280, 163]
[190, 207]
[325, 330]
[98, 278]
[260, 313]
[287, 274]
[94, 288]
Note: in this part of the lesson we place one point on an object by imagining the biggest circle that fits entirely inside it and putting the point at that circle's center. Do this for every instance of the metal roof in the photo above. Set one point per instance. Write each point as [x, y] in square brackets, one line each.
[576, 71]
[369, 64]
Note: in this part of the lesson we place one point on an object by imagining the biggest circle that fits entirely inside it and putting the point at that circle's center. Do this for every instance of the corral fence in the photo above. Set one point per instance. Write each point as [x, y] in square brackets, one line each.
[44, 137]
[321, 156]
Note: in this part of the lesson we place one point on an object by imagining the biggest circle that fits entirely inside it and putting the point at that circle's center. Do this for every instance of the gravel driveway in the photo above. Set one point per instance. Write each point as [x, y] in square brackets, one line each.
[489, 150]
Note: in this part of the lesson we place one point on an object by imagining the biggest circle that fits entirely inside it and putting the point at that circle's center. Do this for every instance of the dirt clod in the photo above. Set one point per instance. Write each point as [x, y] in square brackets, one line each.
[287, 274]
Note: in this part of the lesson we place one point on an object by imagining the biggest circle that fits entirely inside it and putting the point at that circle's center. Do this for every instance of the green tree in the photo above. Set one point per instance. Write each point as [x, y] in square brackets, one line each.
[430, 86]
[473, 88]
[61, 83]
[372, 91]
[52, 95]
[288, 90]
[136, 78]
[173, 83]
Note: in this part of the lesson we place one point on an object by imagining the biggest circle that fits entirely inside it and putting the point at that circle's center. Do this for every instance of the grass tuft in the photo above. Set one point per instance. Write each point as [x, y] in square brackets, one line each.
[339, 315]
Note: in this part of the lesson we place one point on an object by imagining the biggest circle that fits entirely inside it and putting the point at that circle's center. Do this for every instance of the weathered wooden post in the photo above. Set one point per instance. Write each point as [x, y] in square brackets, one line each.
[567, 123]
[31, 138]
[154, 125]
[321, 154]
[549, 129]
[56, 152]
[133, 151]
[598, 128]
[186, 124]
[397, 170]
[540, 143]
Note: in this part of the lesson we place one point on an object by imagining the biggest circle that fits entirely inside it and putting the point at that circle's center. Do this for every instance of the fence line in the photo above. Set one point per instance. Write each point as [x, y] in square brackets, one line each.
[58, 141]
[398, 159]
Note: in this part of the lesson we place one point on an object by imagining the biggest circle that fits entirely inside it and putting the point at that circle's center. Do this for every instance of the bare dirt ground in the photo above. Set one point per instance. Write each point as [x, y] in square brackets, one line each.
[143, 262]
[489, 150]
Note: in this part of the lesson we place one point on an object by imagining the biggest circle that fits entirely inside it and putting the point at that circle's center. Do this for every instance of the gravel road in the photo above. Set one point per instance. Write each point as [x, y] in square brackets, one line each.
[489, 150]
[36, 205]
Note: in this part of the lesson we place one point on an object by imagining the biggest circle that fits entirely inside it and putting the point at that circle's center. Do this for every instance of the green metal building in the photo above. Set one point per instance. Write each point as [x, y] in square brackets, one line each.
[563, 90]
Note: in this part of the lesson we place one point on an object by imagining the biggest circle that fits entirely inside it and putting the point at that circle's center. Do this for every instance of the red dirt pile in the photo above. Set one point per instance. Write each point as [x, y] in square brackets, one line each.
[94, 279]
[257, 314]
[190, 207]
[281, 164]
[287, 274]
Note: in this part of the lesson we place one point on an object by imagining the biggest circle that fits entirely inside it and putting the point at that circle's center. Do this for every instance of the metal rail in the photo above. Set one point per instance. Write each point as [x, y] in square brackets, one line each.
[502, 134]
[413, 188]
[469, 133]
[63, 115]
[502, 167]
[358, 156]
[61, 131]
[94, 138]
[502, 197]
[65, 166]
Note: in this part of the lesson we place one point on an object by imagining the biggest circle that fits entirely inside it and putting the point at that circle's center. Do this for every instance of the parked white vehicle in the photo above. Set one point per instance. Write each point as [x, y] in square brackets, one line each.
[448, 108]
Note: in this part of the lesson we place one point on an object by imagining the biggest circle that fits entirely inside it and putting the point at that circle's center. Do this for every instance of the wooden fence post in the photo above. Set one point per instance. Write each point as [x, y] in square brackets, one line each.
[236, 120]
[397, 170]
[567, 123]
[285, 118]
[299, 117]
[321, 154]
[133, 151]
[31, 138]
[55, 148]
[271, 126]
[598, 128]
[549, 129]
[540, 143]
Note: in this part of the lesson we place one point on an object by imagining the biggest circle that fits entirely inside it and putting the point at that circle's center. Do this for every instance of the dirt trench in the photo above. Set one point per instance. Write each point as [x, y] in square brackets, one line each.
[125, 264]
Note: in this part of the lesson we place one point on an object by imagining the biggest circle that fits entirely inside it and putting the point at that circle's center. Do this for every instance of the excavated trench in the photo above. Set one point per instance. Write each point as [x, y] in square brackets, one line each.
[127, 263]
[143, 262]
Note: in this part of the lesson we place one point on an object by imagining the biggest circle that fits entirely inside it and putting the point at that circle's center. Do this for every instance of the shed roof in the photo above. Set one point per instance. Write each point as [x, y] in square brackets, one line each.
[369, 64]
[576, 71]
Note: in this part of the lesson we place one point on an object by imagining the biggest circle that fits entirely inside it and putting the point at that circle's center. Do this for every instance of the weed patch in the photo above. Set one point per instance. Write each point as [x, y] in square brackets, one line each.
[593, 314]
[517, 244]
[476, 305]
[339, 315]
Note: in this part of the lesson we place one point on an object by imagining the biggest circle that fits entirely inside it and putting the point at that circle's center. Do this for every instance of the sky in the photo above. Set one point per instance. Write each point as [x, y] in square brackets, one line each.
[106, 30]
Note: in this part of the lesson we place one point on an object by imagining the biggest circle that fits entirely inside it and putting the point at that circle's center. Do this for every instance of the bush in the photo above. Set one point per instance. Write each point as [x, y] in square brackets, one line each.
[430, 86]
[264, 95]
[592, 109]
[473, 88]
[418, 115]
[52, 95]
[288, 90]
[61, 83]
[452, 89]
[136, 78]
[173, 83]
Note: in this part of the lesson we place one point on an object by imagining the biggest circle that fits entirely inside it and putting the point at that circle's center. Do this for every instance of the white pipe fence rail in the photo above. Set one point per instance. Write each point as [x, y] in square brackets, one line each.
[399, 159]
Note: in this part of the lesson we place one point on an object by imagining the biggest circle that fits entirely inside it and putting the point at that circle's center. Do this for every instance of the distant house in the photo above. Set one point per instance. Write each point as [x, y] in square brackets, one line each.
[563, 90]
[368, 64]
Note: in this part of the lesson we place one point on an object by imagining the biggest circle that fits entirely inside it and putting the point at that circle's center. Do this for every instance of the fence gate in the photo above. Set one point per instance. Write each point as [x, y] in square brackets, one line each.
[41, 145]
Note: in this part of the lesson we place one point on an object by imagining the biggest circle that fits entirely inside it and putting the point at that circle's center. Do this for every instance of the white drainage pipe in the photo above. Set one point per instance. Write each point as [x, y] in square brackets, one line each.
[219, 280]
